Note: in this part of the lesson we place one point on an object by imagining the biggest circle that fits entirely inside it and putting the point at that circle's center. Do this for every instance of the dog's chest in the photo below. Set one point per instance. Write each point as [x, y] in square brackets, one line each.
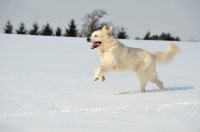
[106, 57]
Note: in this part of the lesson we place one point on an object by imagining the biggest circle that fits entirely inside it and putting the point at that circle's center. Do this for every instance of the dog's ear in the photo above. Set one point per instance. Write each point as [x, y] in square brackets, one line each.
[104, 28]
[110, 29]
[109, 32]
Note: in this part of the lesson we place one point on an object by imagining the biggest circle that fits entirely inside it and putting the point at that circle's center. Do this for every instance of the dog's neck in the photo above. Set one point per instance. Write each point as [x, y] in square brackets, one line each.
[106, 45]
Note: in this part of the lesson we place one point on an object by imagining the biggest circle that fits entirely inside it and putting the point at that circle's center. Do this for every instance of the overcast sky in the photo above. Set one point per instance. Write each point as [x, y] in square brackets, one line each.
[179, 17]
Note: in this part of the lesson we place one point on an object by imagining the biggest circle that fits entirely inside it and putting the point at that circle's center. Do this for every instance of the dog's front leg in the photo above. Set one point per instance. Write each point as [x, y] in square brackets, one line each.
[109, 64]
[100, 71]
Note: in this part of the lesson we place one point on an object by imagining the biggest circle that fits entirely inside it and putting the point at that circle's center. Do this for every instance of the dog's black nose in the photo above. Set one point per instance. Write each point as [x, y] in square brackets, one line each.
[88, 39]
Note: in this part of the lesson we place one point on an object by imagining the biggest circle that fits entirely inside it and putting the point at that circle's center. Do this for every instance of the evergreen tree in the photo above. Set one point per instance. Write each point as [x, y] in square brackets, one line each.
[47, 30]
[177, 39]
[162, 36]
[154, 37]
[21, 29]
[122, 34]
[8, 29]
[71, 31]
[34, 31]
[147, 36]
[58, 32]
[167, 36]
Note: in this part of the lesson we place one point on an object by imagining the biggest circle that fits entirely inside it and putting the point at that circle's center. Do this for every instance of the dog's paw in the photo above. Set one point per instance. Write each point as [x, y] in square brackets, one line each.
[142, 91]
[95, 79]
[102, 78]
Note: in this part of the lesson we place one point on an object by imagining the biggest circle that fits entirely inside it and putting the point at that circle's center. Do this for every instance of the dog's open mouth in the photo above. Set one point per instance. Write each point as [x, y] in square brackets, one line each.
[95, 45]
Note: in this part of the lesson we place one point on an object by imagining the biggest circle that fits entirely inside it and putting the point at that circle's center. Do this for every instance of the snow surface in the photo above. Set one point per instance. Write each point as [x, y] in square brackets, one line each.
[46, 86]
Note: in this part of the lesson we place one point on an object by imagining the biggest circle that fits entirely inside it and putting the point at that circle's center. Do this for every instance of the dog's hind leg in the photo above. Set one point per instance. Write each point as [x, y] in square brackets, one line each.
[154, 79]
[143, 79]
[144, 72]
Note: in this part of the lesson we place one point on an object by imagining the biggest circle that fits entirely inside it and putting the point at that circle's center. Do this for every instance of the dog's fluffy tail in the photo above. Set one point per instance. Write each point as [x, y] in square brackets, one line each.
[166, 56]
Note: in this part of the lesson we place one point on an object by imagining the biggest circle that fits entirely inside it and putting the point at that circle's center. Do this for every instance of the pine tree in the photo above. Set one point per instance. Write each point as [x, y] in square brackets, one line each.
[21, 29]
[162, 36]
[71, 31]
[58, 32]
[122, 34]
[47, 30]
[154, 37]
[147, 36]
[8, 29]
[177, 39]
[168, 37]
[34, 31]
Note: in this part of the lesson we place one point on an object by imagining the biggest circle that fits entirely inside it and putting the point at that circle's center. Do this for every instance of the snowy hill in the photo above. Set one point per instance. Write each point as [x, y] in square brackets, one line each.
[46, 86]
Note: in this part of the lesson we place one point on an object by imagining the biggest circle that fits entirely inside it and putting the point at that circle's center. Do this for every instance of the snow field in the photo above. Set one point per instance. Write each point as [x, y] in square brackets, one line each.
[46, 85]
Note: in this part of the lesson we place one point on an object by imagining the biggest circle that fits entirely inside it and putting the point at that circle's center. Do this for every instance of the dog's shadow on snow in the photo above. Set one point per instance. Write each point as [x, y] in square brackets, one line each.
[158, 90]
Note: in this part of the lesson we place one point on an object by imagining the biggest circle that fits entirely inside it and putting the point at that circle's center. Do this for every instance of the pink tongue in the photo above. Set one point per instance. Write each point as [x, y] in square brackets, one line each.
[95, 45]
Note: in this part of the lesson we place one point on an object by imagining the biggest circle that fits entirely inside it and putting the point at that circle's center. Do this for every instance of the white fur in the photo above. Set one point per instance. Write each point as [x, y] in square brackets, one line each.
[117, 57]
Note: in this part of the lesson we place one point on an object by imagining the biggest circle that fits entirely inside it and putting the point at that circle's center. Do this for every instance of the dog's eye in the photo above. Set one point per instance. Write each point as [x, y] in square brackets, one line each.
[95, 36]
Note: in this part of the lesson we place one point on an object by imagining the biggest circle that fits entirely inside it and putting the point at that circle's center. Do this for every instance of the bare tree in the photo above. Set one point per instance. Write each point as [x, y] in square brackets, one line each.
[92, 22]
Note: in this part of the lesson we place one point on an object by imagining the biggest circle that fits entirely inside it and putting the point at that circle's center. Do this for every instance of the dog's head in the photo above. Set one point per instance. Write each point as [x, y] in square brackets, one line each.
[99, 37]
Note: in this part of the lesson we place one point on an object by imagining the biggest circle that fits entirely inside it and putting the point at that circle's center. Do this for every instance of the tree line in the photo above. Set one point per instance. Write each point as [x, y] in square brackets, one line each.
[46, 30]
[91, 23]
[162, 36]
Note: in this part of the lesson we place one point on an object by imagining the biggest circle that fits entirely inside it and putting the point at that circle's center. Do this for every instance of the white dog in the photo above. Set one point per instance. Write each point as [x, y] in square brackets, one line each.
[117, 57]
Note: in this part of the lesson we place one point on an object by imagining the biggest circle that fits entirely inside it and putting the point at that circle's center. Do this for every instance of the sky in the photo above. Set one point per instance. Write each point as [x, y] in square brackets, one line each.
[178, 17]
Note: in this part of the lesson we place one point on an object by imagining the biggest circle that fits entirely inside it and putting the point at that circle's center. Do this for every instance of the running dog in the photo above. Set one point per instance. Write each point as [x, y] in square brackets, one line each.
[115, 56]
